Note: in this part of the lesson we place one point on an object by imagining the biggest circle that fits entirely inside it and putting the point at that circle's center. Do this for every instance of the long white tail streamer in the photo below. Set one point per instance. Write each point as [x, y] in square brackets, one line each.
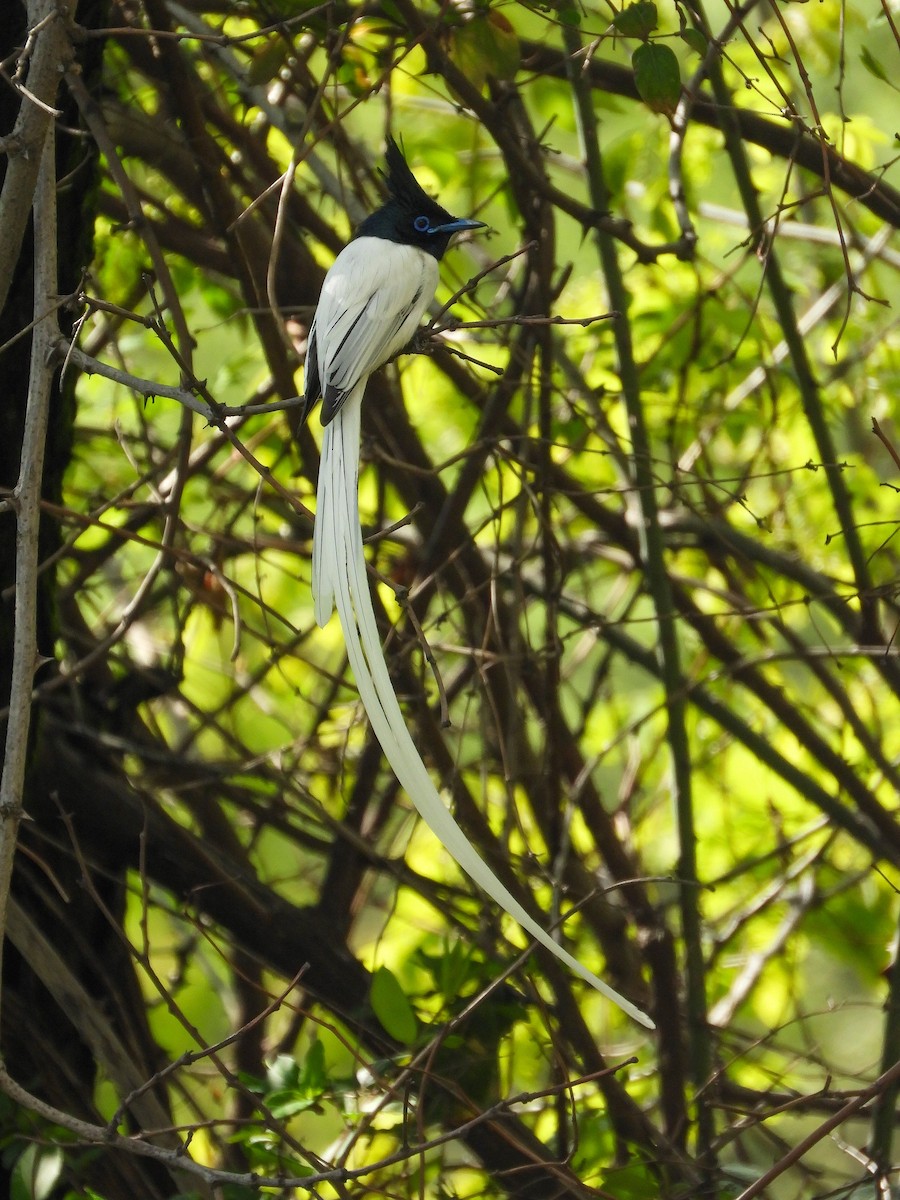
[339, 578]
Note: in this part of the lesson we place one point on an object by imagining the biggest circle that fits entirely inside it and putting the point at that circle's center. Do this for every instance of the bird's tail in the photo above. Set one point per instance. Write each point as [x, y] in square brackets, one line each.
[339, 577]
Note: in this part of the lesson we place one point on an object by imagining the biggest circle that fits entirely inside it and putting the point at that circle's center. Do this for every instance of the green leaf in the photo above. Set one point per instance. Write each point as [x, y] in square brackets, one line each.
[392, 1008]
[507, 54]
[288, 1104]
[313, 1076]
[568, 14]
[283, 1072]
[456, 970]
[874, 67]
[252, 1082]
[632, 1182]
[486, 46]
[636, 20]
[696, 39]
[738, 1176]
[657, 76]
[267, 61]
[352, 71]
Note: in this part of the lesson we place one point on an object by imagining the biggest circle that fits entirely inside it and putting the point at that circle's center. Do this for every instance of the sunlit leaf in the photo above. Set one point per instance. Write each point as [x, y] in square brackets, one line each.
[392, 1008]
[657, 76]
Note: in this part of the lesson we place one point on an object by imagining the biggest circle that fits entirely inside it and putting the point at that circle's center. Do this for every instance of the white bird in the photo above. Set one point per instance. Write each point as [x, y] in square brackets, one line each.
[372, 300]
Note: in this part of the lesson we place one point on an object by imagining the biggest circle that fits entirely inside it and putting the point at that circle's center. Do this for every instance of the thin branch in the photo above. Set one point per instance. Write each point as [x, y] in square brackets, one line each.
[26, 503]
[103, 1135]
[886, 442]
[651, 547]
[216, 414]
[885, 1081]
[50, 51]
[783, 301]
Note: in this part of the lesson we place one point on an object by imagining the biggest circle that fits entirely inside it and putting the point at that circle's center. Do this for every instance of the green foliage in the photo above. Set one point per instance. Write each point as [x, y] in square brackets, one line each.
[485, 47]
[637, 20]
[657, 76]
[391, 1007]
[291, 1086]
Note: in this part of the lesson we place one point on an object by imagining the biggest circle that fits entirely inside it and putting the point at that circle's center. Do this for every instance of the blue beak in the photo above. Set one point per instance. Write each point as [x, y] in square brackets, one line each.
[457, 226]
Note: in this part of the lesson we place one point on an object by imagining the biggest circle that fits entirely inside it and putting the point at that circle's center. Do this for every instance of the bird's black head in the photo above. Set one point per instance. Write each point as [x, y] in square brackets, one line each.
[410, 216]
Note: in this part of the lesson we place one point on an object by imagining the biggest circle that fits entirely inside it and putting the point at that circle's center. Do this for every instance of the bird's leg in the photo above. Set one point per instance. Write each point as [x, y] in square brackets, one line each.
[422, 341]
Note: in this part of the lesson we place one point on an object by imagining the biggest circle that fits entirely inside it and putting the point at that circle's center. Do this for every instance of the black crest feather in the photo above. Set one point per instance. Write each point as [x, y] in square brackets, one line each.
[402, 185]
[409, 216]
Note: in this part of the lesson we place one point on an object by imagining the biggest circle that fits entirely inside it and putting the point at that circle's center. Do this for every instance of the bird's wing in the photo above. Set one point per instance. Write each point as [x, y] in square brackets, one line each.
[312, 388]
[372, 301]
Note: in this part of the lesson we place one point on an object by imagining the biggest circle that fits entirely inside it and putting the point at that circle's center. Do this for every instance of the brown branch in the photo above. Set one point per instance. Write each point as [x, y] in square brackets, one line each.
[797, 1152]
[25, 499]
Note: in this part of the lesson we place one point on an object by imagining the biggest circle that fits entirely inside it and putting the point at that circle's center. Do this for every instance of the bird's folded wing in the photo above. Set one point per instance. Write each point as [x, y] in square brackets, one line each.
[371, 305]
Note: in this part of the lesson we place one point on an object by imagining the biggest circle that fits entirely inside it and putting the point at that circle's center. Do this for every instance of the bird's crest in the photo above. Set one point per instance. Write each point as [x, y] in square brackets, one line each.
[402, 185]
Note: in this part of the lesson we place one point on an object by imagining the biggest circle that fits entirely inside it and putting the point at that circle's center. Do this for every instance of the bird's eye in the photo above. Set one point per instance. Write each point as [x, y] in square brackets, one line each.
[421, 224]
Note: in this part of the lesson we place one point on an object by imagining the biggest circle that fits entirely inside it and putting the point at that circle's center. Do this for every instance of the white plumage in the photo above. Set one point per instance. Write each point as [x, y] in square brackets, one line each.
[371, 304]
[372, 301]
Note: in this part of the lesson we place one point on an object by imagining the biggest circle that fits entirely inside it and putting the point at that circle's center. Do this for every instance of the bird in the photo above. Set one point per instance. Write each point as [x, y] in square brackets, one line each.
[372, 300]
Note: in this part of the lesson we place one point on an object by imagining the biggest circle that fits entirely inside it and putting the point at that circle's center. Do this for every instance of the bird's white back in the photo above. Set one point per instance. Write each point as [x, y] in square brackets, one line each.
[372, 301]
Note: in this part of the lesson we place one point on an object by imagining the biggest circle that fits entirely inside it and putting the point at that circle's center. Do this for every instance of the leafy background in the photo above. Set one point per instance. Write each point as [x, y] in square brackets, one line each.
[631, 520]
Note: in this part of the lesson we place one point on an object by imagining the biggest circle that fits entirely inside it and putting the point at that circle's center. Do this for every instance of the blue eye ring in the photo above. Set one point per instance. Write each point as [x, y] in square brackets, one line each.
[422, 225]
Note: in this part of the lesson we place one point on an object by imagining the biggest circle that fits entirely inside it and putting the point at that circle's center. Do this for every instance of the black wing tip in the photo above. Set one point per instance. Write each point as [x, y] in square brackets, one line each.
[312, 388]
[307, 403]
[332, 402]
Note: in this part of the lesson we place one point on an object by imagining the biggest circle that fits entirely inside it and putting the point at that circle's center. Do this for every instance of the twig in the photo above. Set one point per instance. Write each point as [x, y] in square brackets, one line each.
[26, 502]
[103, 1135]
[402, 595]
[886, 442]
[189, 1057]
[884, 1114]
[887, 1080]
[216, 414]
[499, 322]
[651, 547]
[471, 284]
[806, 381]
[681, 121]
[152, 390]
[51, 49]
[211, 39]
